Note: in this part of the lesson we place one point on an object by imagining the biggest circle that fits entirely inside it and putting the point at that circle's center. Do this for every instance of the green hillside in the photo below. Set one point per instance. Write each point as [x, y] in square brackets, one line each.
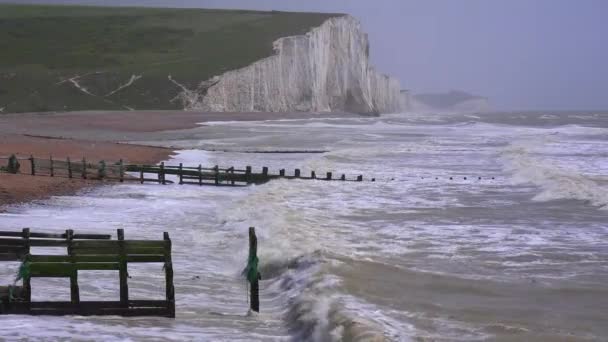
[42, 47]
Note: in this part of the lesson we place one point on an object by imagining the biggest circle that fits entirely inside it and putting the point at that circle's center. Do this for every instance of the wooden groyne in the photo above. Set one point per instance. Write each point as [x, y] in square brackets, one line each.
[122, 172]
[84, 252]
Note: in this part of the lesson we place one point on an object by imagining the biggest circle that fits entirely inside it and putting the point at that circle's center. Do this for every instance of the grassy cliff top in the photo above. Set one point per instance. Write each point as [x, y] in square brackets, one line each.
[105, 46]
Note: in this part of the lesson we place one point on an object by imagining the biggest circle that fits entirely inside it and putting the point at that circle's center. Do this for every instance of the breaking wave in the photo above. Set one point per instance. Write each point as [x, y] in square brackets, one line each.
[557, 181]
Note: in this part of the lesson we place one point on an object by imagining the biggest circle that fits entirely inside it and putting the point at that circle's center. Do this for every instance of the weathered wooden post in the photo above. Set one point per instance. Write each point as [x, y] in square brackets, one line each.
[84, 168]
[169, 288]
[181, 173]
[343, 177]
[296, 173]
[360, 178]
[313, 175]
[282, 172]
[161, 173]
[51, 166]
[141, 174]
[122, 269]
[248, 174]
[33, 165]
[121, 171]
[13, 164]
[328, 176]
[69, 167]
[251, 272]
[74, 290]
[216, 171]
[101, 169]
[232, 175]
[265, 171]
[200, 174]
[27, 287]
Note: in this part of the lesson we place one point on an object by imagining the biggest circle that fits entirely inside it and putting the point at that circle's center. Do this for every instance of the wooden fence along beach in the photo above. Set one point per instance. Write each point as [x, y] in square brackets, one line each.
[121, 172]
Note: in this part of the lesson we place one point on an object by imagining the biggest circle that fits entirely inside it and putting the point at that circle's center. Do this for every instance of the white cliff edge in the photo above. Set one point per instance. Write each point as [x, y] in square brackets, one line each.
[326, 70]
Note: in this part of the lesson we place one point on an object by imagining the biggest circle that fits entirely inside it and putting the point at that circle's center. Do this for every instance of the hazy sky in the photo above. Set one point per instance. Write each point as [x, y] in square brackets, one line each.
[522, 54]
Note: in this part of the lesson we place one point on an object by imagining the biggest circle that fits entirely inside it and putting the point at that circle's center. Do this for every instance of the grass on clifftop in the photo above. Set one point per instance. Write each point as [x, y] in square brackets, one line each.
[43, 45]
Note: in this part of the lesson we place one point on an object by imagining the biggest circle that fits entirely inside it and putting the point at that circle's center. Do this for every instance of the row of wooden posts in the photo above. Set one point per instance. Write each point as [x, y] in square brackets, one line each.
[230, 175]
[186, 175]
[101, 169]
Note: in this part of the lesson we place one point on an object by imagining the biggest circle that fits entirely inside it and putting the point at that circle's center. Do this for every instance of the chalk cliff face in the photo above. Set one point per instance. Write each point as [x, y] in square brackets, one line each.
[326, 70]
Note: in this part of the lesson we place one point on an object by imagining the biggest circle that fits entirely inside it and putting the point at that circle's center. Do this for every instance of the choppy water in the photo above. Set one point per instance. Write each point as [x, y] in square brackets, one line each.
[516, 251]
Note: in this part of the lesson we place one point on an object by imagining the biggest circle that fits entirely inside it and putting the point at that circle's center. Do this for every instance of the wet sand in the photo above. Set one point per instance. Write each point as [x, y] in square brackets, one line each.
[24, 187]
[95, 135]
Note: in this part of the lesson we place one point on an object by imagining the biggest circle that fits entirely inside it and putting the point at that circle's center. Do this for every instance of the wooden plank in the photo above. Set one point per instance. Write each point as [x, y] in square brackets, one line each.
[106, 251]
[66, 269]
[85, 309]
[6, 233]
[104, 304]
[12, 242]
[112, 258]
[34, 242]
[10, 256]
[56, 236]
[116, 244]
[54, 270]
[92, 236]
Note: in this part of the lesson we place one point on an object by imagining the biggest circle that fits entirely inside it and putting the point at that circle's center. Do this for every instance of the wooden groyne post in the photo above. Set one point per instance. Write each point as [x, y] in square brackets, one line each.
[251, 271]
[69, 167]
[52, 166]
[33, 165]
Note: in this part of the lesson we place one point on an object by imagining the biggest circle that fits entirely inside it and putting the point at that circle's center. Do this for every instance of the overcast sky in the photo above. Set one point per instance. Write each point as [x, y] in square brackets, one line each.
[522, 54]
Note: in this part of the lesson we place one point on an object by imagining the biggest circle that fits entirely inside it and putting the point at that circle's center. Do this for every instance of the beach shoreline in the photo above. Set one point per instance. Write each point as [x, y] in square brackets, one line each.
[97, 135]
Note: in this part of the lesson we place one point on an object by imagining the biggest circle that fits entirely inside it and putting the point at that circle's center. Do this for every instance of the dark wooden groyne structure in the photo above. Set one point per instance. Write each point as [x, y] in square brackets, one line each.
[96, 252]
[123, 172]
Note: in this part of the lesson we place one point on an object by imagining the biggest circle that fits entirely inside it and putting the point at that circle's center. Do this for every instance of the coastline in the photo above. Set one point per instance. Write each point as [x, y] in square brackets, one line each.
[96, 135]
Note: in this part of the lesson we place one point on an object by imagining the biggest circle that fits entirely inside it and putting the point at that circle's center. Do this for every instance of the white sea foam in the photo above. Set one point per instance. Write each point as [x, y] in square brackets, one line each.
[557, 181]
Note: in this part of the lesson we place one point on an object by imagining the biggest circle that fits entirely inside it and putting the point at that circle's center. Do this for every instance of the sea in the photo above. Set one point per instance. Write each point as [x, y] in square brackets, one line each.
[490, 226]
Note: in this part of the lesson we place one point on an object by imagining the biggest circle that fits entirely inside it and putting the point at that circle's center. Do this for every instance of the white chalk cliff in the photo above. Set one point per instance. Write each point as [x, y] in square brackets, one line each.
[326, 70]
